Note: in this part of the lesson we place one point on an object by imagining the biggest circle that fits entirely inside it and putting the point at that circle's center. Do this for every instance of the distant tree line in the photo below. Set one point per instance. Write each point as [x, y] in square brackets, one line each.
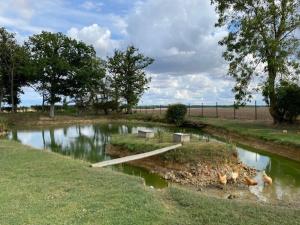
[64, 69]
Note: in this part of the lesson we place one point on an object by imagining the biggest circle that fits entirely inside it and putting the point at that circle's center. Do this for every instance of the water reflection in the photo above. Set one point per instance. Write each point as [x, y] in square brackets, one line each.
[89, 142]
[285, 174]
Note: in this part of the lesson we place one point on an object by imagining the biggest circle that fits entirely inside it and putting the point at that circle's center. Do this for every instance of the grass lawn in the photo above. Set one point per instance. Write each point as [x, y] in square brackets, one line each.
[258, 129]
[192, 152]
[39, 187]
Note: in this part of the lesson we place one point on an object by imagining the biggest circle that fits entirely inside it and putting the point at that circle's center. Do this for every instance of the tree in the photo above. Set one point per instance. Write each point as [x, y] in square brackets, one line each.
[57, 61]
[19, 75]
[14, 61]
[88, 82]
[288, 100]
[127, 75]
[176, 114]
[6, 40]
[261, 43]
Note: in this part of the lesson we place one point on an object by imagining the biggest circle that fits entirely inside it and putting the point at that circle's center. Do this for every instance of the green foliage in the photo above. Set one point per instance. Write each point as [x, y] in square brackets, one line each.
[106, 106]
[288, 100]
[262, 34]
[87, 82]
[60, 66]
[128, 80]
[14, 68]
[176, 114]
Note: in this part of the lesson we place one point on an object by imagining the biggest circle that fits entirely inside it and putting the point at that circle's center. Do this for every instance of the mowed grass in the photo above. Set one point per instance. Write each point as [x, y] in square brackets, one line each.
[194, 151]
[38, 187]
[258, 129]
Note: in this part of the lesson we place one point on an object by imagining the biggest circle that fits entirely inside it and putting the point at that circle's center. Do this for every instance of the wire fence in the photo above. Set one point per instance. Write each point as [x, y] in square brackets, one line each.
[248, 112]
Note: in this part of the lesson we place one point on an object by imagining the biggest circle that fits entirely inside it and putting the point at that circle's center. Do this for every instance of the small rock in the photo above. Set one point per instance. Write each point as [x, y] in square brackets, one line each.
[231, 196]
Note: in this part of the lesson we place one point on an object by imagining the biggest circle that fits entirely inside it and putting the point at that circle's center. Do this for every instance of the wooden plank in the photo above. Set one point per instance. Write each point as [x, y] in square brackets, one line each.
[135, 157]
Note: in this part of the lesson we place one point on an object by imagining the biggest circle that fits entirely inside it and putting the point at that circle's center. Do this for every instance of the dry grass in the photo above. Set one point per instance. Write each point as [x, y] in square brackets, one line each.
[245, 113]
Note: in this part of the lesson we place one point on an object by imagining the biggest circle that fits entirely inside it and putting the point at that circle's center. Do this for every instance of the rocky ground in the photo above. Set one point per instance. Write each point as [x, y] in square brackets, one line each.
[201, 175]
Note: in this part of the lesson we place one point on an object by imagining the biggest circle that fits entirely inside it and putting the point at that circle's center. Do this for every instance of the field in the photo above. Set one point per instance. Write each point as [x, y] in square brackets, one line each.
[228, 112]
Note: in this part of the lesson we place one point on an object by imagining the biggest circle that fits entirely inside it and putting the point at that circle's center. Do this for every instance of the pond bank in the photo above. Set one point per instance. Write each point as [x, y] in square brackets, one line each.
[197, 163]
[290, 152]
[258, 134]
[198, 175]
[67, 191]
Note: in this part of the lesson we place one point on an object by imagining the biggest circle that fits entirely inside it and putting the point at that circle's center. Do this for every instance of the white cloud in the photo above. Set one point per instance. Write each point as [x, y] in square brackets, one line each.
[23, 7]
[179, 34]
[89, 5]
[190, 88]
[97, 36]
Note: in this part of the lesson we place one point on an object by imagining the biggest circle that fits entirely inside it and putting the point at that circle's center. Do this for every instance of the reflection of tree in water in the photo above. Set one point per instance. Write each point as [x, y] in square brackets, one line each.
[90, 148]
[14, 135]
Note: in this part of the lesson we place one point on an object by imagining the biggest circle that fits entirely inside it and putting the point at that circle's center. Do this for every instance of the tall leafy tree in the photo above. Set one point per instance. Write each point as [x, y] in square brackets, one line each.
[127, 75]
[14, 69]
[87, 82]
[6, 40]
[261, 43]
[19, 75]
[57, 61]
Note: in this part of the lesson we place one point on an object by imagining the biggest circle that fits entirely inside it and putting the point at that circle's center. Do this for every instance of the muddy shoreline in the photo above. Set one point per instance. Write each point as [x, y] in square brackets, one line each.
[200, 176]
[178, 174]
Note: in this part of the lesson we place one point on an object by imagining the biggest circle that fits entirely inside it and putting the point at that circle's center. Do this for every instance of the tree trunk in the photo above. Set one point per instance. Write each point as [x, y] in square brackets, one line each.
[1, 99]
[13, 109]
[129, 110]
[43, 103]
[51, 110]
[272, 97]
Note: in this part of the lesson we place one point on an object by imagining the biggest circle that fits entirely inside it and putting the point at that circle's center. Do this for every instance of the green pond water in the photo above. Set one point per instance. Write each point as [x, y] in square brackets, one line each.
[89, 142]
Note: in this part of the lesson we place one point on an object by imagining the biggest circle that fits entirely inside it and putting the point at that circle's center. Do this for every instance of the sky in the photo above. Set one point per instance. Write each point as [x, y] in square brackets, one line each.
[179, 34]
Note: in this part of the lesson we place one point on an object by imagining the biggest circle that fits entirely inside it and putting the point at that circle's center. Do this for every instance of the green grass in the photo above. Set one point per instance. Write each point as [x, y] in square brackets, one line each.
[258, 129]
[39, 187]
[192, 152]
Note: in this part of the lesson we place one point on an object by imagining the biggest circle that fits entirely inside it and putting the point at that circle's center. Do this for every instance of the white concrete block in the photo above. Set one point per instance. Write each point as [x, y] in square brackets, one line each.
[146, 133]
[180, 137]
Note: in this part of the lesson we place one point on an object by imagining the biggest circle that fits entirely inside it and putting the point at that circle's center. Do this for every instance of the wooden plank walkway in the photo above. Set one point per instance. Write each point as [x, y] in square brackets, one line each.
[135, 157]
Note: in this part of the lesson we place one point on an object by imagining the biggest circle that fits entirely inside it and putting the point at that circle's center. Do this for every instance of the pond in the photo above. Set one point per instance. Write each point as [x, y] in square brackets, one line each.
[89, 142]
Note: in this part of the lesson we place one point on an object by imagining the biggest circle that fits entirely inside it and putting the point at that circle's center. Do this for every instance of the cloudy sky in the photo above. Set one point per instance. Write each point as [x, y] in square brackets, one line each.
[179, 34]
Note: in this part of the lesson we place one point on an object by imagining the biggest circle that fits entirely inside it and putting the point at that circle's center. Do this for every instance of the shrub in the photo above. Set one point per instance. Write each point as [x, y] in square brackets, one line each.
[176, 114]
[288, 100]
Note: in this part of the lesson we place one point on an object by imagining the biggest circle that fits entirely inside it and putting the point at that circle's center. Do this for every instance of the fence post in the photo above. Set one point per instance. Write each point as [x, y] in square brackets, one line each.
[234, 112]
[159, 109]
[217, 113]
[202, 114]
[255, 107]
[189, 109]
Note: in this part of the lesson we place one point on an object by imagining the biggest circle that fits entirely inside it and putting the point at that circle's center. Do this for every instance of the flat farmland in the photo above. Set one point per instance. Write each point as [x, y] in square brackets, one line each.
[243, 113]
